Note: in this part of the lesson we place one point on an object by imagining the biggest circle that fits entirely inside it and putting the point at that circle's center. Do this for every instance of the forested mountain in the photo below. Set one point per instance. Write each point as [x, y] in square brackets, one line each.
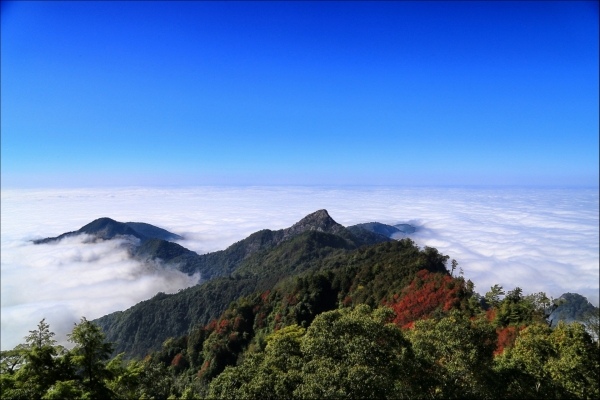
[318, 311]
[225, 262]
[155, 243]
[383, 229]
[152, 232]
[146, 325]
[377, 227]
[573, 307]
[107, 228]
[405, 228]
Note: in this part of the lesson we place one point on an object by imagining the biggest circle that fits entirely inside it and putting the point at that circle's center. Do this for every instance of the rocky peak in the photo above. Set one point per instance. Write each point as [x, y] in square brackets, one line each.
[317, 221]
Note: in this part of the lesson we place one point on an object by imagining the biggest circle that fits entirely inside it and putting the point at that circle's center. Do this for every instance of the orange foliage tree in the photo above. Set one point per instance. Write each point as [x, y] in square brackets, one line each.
[427, 293]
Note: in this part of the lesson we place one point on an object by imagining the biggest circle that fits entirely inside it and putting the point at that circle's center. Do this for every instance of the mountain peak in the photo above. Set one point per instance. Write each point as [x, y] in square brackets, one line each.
[317, 217]
[317, 221]
[107, 228]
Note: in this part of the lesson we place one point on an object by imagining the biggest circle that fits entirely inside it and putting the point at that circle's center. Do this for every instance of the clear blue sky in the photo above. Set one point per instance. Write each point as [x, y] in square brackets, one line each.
[440, 93]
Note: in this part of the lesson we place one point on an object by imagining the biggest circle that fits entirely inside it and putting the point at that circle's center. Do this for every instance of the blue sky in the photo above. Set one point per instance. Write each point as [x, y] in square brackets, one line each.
[193, 93]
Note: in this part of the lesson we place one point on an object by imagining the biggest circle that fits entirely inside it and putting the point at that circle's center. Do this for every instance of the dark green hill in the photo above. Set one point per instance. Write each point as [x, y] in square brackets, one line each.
[155, 242]
[377, 227]
[166, 251]
[225, 262]
[151, 231]
[405, 228]
[107, 228]
[574, 308]
[257, 263]
[145, 326]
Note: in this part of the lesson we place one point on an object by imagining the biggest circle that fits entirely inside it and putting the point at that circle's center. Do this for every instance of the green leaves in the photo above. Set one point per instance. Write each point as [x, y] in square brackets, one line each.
[456, 353]
[352, 353]
[40, 337]
[90, 356]
[551, 363]
[344, 353]
[493, 296]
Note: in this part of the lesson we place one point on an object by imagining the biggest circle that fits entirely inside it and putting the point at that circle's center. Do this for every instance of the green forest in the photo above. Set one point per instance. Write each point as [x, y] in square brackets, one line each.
[320, 316]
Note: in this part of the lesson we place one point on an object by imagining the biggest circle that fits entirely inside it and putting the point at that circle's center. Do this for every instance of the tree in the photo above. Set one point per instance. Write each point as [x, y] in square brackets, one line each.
[454, 265]
[41, 337]
[64, 390]
[456, 353]
[493, 296]
[274, 373]
[344, 353]
[30, 369]
[355, 353]
[575, 367]
[519, 310]
[12, 360]
[90, 355]
[550, 363]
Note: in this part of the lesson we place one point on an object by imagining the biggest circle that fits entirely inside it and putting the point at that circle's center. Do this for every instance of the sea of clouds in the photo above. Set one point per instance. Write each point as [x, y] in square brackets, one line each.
[538, 239]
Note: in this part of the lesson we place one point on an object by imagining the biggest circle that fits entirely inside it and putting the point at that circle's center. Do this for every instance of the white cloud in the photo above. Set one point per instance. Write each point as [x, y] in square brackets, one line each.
[538, 239]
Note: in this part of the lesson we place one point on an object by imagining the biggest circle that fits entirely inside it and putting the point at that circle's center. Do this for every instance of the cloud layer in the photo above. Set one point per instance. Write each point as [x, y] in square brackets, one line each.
[538, 239]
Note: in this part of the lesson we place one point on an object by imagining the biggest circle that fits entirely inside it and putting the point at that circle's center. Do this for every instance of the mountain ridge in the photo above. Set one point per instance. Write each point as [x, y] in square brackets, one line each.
[173, 315]
[225, 262]
[107, 228]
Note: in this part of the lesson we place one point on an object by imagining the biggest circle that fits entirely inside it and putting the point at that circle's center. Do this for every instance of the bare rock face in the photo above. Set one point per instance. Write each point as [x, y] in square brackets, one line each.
[317, 221]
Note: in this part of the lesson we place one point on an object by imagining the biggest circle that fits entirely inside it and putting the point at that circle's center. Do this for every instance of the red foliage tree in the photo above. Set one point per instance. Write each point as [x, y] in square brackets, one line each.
[426, 293]
[490, 314]
[238, 323]
[203, 369]
[211, 326]
[291, 299]
[223, 326]
[506, 338]
[347, 301]
[177, 360]
[265, 296]
[260, 320]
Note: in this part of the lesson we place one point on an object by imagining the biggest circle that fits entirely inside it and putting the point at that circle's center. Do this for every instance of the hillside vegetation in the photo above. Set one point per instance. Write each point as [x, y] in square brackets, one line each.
[317, 311]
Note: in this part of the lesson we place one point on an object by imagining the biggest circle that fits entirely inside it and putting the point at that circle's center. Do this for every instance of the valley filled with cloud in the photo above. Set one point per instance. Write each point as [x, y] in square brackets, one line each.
[538, 239]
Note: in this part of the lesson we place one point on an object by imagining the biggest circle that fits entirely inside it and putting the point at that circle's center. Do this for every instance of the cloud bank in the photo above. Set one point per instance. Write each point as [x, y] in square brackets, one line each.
[538, 239]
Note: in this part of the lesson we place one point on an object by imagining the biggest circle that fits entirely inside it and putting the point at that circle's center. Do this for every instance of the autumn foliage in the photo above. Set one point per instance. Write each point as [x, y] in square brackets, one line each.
[427, 293]
[177, 360]
[506, 338]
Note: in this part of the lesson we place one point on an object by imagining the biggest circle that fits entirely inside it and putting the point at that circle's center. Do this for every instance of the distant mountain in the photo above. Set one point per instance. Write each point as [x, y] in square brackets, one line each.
[156, 244]
[152, 232]
[377, 227]
[255, 263]
[574, 308]
[405, 228]
[225, 262]
[378, 231]
[107, 228]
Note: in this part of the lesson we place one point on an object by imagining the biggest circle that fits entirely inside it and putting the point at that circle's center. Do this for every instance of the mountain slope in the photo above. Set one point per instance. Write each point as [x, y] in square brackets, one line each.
[225, 262]
[145, 326]
[574, 308]
[377, 227]
[107, 228]
[152, 232]
[405, 228]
